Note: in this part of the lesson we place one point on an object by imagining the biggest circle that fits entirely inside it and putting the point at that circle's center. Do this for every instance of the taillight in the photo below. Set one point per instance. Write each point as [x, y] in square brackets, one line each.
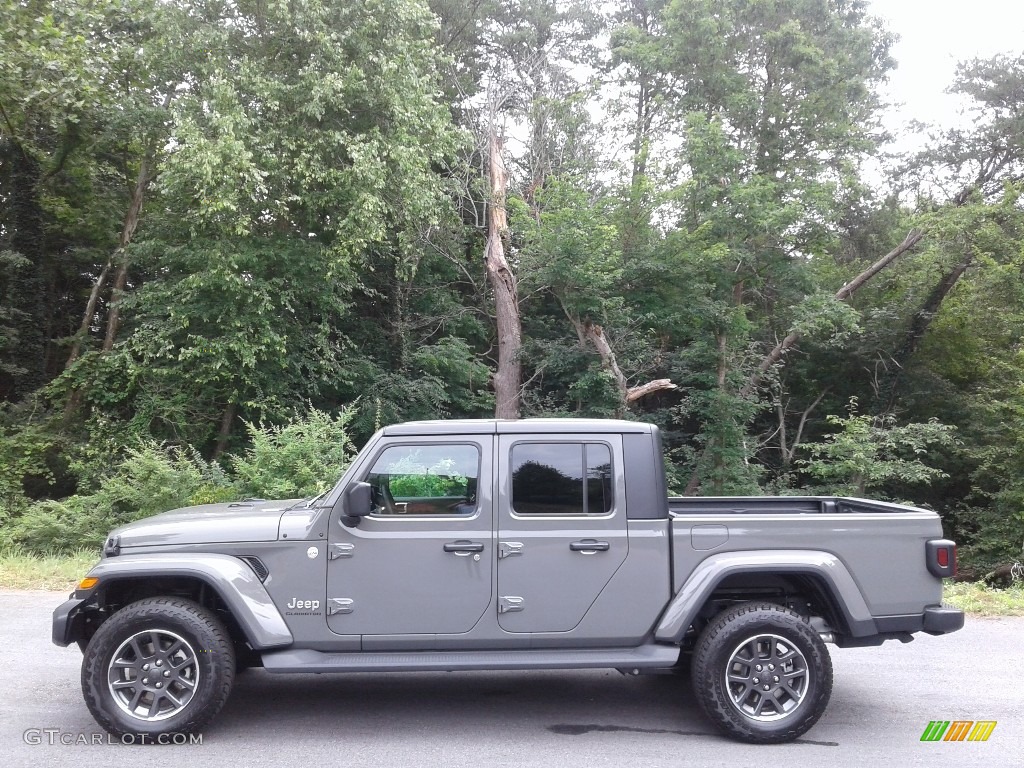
[940, 555]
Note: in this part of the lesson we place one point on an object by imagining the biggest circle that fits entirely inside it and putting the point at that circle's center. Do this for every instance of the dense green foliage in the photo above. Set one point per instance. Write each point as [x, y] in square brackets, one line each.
[300, 459]
[237, 237]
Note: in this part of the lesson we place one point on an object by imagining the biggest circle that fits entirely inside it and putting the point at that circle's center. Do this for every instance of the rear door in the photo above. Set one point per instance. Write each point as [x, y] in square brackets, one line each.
[561, 527]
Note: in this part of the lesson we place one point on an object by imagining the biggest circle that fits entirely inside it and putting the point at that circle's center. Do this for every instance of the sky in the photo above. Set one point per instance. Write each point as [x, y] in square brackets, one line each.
[934, 36]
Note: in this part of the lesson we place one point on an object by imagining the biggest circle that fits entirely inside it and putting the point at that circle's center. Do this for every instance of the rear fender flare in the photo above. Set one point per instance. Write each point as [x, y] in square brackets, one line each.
[684, 607]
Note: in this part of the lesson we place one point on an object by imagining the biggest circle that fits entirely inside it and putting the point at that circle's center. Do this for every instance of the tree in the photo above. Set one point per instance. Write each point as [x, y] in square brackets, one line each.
[773, 101]
[967, 185]
[299, 162]
[508, 377]
[866, 454]
[51, 99]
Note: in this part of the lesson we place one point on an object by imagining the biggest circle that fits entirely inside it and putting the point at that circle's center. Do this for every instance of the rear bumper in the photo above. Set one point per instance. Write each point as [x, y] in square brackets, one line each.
[936, 620]
[68, 619]
[942, 619]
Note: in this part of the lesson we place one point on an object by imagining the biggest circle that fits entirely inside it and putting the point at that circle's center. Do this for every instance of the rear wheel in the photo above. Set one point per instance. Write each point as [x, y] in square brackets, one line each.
[761, 673]
[158, 667]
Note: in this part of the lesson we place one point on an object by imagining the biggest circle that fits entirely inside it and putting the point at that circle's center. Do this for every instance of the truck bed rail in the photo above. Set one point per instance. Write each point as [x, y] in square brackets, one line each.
[780, 505]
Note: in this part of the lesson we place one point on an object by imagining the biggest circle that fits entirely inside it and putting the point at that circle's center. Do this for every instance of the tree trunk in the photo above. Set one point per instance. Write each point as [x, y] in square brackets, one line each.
[224, 434]
[503, 282]
[789, 453]
[637, 218]
[131, 223]
[886, 396]
[128, 227]
[25, 284]
[589, 331]
[643, 390]
[90, 311]
[595, 335]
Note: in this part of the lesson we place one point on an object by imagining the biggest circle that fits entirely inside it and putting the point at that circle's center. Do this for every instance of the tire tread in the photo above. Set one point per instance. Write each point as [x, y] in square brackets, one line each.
[731, 623]
[201, 622]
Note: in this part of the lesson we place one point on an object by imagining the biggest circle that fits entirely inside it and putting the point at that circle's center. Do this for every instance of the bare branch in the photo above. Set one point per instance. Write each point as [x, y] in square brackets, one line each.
[843, 294]
[803, 423]
[658, 385]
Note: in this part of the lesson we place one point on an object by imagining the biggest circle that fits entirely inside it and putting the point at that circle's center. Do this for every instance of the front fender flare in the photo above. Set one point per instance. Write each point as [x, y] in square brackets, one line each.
[232, 579]
[688, 601]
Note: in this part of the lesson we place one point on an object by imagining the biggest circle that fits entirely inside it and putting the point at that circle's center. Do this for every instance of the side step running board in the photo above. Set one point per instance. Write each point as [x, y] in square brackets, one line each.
[305, 660]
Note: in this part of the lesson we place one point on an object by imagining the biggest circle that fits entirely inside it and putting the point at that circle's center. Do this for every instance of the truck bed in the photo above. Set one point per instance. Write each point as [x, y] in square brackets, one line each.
[881, 545]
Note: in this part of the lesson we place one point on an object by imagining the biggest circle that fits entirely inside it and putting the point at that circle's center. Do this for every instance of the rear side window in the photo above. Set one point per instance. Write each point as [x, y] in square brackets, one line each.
[561, 479]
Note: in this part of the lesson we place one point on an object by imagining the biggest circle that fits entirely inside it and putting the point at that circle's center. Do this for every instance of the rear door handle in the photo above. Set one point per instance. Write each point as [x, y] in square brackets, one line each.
[463, 548]
[589, 546]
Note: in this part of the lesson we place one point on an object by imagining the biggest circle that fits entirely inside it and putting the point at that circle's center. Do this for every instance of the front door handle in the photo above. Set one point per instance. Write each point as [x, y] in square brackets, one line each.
[589, 546]
[463, 548]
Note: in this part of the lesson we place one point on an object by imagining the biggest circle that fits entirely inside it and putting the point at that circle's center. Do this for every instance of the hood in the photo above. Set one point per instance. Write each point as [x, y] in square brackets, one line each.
[207, 524]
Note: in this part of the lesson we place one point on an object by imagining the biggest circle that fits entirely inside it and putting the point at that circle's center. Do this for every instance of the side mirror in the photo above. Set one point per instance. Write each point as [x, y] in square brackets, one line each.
[356, 503]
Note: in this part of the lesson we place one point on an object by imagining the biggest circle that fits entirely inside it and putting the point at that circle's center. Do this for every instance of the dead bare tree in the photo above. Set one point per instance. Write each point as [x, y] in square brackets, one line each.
[589, 331]
[502, 279]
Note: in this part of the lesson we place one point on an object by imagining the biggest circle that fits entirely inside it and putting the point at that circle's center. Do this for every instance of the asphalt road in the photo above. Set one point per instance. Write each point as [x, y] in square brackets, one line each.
[882, 701]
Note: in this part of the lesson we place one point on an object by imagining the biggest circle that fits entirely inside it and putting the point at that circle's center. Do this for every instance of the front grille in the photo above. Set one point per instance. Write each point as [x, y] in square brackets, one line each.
[257, 566]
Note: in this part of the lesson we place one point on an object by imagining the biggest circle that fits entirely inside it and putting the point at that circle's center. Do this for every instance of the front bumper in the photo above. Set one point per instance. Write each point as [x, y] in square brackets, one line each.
[68, 622]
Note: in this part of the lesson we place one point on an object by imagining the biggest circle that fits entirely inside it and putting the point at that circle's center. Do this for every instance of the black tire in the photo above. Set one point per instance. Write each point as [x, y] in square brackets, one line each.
[778, 649]
[157, 668]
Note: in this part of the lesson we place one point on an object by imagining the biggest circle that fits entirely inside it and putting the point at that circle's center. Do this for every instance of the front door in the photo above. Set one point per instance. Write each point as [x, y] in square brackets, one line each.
[421, 562]
[561, 528]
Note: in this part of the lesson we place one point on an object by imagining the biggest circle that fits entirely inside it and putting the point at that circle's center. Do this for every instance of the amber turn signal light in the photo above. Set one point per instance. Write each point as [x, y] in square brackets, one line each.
[88, 582]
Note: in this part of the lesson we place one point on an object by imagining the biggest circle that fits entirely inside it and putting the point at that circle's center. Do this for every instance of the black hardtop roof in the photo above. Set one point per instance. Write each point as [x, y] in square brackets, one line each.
[517, 426]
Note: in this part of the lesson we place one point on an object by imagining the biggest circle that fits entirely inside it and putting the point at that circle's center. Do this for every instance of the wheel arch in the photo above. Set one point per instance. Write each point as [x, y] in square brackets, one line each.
[222, 582]
[755, 575]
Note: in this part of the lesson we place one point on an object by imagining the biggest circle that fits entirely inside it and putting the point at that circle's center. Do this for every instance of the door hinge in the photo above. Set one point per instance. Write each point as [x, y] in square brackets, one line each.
[342, 549]
[510, 604]
[509, 548]
[337, 605]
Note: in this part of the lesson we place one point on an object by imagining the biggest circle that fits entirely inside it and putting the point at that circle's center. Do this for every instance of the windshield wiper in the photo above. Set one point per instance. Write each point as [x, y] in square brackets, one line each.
[316, 498]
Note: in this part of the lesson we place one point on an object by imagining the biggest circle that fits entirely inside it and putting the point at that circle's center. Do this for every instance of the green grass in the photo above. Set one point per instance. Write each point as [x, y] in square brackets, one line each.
[23, 570]
[976, 598]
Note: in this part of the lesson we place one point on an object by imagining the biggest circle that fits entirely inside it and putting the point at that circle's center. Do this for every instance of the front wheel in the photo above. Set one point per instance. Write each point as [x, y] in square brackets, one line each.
[160, 666]
[761, 673]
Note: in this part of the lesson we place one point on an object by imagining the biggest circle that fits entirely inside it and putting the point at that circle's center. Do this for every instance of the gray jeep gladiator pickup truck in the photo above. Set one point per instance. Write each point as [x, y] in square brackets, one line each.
[504, 545]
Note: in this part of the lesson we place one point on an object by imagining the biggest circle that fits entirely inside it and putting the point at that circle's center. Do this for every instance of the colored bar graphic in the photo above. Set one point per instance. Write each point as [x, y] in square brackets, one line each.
[935, 730]
[982, 730]
[958, 730]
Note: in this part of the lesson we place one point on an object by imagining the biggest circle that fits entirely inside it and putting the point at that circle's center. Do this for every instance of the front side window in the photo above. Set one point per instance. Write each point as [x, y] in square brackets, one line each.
[561, 478]
[425, 480]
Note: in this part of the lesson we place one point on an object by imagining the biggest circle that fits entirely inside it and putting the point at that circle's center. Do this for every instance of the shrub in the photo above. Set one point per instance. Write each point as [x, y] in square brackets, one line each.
[53, 526]
[298, 459]
[152, 479]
